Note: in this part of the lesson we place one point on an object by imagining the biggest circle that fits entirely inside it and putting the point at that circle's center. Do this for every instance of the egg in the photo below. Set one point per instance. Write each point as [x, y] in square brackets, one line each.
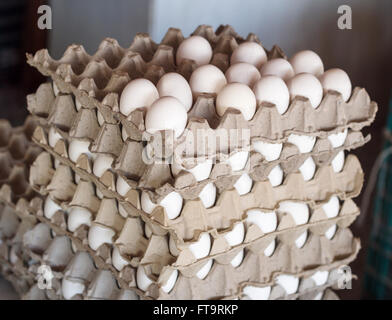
[166, 113]
[147, 205]
[266, 221]
[201, 171]
[236, 235]
[101, 164]
[77, 148]
[99, 194]
[201, 248]
[238, 160]
[288, 282]
[50, 208]
[137, 93]
[270, 249]
[307, 61]
[242, 73]
[307, 169]
[336, 80]
[171, 281]
[275, 176]
[301, 240]
[249, 52]
[298, 210]
[71, 288]
[99, 235]
[117, 260]
[53, 137]
[173, 84]
[338, 139]
[270, 151]
[207, 79]
[244, 184]
[142, 280]
[330, 232]
[278, 67]
[257, 293]
[172, 204]
[332, 207]
[194, 48]
[122, 187]
[208, 195]
[308, 86]
[122, 211]
[237, 260]
[204, 270]
[272, 89]
[320, 277]
[304, 143]
[338, 162]
[319, 296]
[78, 216]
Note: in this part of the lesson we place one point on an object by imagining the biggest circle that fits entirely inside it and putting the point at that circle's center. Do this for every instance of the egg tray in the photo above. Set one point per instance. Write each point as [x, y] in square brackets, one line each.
[97, 82]
[129, 163]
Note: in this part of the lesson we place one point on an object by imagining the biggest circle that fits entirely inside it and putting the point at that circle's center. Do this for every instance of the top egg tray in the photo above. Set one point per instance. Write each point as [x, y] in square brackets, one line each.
[97, 82]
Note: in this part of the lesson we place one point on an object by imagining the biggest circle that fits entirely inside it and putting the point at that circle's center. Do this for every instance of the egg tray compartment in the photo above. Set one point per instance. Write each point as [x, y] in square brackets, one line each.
[127, 156]
[97, 82]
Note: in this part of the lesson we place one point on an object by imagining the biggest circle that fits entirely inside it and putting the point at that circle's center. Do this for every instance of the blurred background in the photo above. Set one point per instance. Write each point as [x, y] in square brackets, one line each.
[364, 52]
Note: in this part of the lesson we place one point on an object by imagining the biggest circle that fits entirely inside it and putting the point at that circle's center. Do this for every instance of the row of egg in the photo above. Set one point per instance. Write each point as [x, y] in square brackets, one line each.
[278, 81]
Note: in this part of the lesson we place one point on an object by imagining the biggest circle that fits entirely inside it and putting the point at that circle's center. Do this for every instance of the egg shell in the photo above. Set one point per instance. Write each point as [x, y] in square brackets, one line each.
[266, 221]
[204, 270]
[308, 86]
[275, 176]
[122, 187]
[237, 260]
[304, 143]
[301, 240]
[117, 260]
[171, 281]
[50, 208]
[274, 90]
[207, 79]
[249, 52]
[337, 80]
[138, 93]
[243, 73]
[237, 96]
[270, 151]
[201, 248]
[236, 235]
[288, 282]
[99, 235]
[71, 288]
[270, 249]
[77, 148]
[101, 164]
[173, 84]
[166, 113]
[278, 67]
[338, 162]
[307, 61]
[142, 281]
[244, 184]
[256, 293]
[338, 139]
[320, 277]
[53, 137]
[78, 216]
[147, 205]
[332, 207]
[194, 48]
[208, 195]
[307, 169]
[201, 171]
[238, 160]
[172, 204]
[298, 210]
[330, 232]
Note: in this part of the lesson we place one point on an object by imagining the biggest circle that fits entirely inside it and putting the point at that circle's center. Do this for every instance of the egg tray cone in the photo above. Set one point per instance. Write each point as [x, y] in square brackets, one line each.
[38, 245]
[97, 82]
[60, 117]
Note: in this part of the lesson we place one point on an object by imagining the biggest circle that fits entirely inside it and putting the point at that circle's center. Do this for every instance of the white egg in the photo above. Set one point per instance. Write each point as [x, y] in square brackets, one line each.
[307, 169]
[207, 79]
[172, 204]
[332, 207]
[338, 139]
[78, 216]
[122, 211]
[101, 119]
[99, 194]
[275, 176]
[77, 148]
[201, 248]
[56, 90]
[249, 52]
[244, 184]
[288, 282]
[320, 277]
[99, 235]
[70, 288]
[307, 61]
[237, 260]
[50, 208]
[142, 280]
[274, 90]
[308, 86]
[278, 67]
[173, 84]
[242, 73]
[256, 293]
[194, 48]
[169, 285]
[122, 187]
[270, 248]
[266, 221]
[204, 270]
[236, 235]
[336, 80]
[237, 96]
[238, 160]
[117, 260]
[147, 205]
[101, 164]
[330, 232]
[298, 210]
[208, 195]
[319, 296]
[338, 162]
[166, 113]
[270, 151]
[53, 137]
[301, 240]
[201, 171]
[304, 143]
[137, 93]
